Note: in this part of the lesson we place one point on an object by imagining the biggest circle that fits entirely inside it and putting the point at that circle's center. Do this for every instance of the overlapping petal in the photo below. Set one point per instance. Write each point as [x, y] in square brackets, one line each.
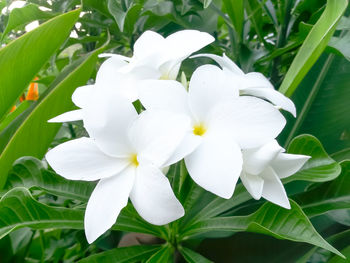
[74, 115]
[156, 134]
[153, 197]
[81, 159]
[288, 164]
[106, 201]
[216, 164]
[107, 120]
[253, 183]
[252, 121]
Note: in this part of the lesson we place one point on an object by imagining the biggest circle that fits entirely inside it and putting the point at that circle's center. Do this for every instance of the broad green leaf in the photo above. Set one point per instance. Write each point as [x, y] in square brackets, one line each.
[235, 10]
[192, 257]
[320, 167]
[341, 44]
[19, 209]
[30, 172]
[34, 135]
[22, 16]
[122, 255]
[269, 219]
[337, 259]
[322, 104]
[313, 46]
[328, 196]
[342, 155]
[23, 57]
[13, 115]
[162, 255]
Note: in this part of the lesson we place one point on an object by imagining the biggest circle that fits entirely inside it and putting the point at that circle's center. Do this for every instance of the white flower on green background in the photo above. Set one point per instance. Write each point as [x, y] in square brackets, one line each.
[263, 169]
[253, 83]
[125, 152]
[222, 123]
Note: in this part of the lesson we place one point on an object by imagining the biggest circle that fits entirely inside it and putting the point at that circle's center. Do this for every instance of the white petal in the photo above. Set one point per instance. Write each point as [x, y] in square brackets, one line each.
[164, 95]
[147, 44]
[274, 96]
[224, 62]
[107, 119]
[273, 190]
[257, 159]
[252, 121]
[188, 144]
[74, 115]
[208, 86]
[216, 165]
[253, 183]
[183, 43]
[108, 55]
[82, 95]
[81, 159]
[153, 197]
[156, 135]
[288, 164]
[257, 80]
[108, 198]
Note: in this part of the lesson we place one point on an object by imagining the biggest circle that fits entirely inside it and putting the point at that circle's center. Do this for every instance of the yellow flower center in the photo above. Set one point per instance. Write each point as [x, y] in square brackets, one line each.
[164, 77]
[133, 160]
[199, 129]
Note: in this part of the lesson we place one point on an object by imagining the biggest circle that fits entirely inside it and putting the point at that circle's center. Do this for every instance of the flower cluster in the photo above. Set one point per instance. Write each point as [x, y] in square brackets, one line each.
[223, 125]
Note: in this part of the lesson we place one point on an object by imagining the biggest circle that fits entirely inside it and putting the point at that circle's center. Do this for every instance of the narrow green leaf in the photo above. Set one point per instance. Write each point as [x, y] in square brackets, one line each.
[23, 57]
[328, 196]
[34, 135]
[320, 167]
[19, 209]
[271, 220]
[122, 255]
[13, 115]
[22, 16]
[163, 255]
[206, 3]
[313, 46]
[192, 257]
[30, 172]
[235, 10]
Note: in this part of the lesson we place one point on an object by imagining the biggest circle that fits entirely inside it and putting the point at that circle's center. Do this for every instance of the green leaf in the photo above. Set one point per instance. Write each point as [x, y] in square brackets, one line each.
[22, 16]
[192, 257]
[13, 115]
[162, 255]
[327, 196]
[313, 46]
[122, 255]
[34, 135]
[119, 10]
[269, 219]
[30, 173]
[206, 3]
[320, 167]
[322, 104]
[24, 57]
[19, 209]
[235, 10]
[341, 44]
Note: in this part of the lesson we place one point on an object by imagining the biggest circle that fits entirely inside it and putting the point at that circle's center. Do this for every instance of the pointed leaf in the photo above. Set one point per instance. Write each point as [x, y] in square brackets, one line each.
[313, 46]
[271, 220]
[192, 257]
[162, 255]
[23, 57]
[122, 255]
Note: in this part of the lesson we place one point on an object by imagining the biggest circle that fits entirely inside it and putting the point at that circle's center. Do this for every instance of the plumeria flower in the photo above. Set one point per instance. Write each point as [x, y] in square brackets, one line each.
[263, 169]
[222, 123]
[125, 152]
[253, 83]
[155, 57]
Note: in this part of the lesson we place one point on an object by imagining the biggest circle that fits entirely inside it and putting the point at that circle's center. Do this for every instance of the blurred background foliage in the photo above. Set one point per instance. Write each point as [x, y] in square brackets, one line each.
[302, 46]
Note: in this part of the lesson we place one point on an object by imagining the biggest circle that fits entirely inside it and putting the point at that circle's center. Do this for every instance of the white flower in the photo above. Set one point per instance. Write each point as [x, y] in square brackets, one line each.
[154, 57]
[253, 83]
[126, 152]
[222, 124]
[263, 169]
